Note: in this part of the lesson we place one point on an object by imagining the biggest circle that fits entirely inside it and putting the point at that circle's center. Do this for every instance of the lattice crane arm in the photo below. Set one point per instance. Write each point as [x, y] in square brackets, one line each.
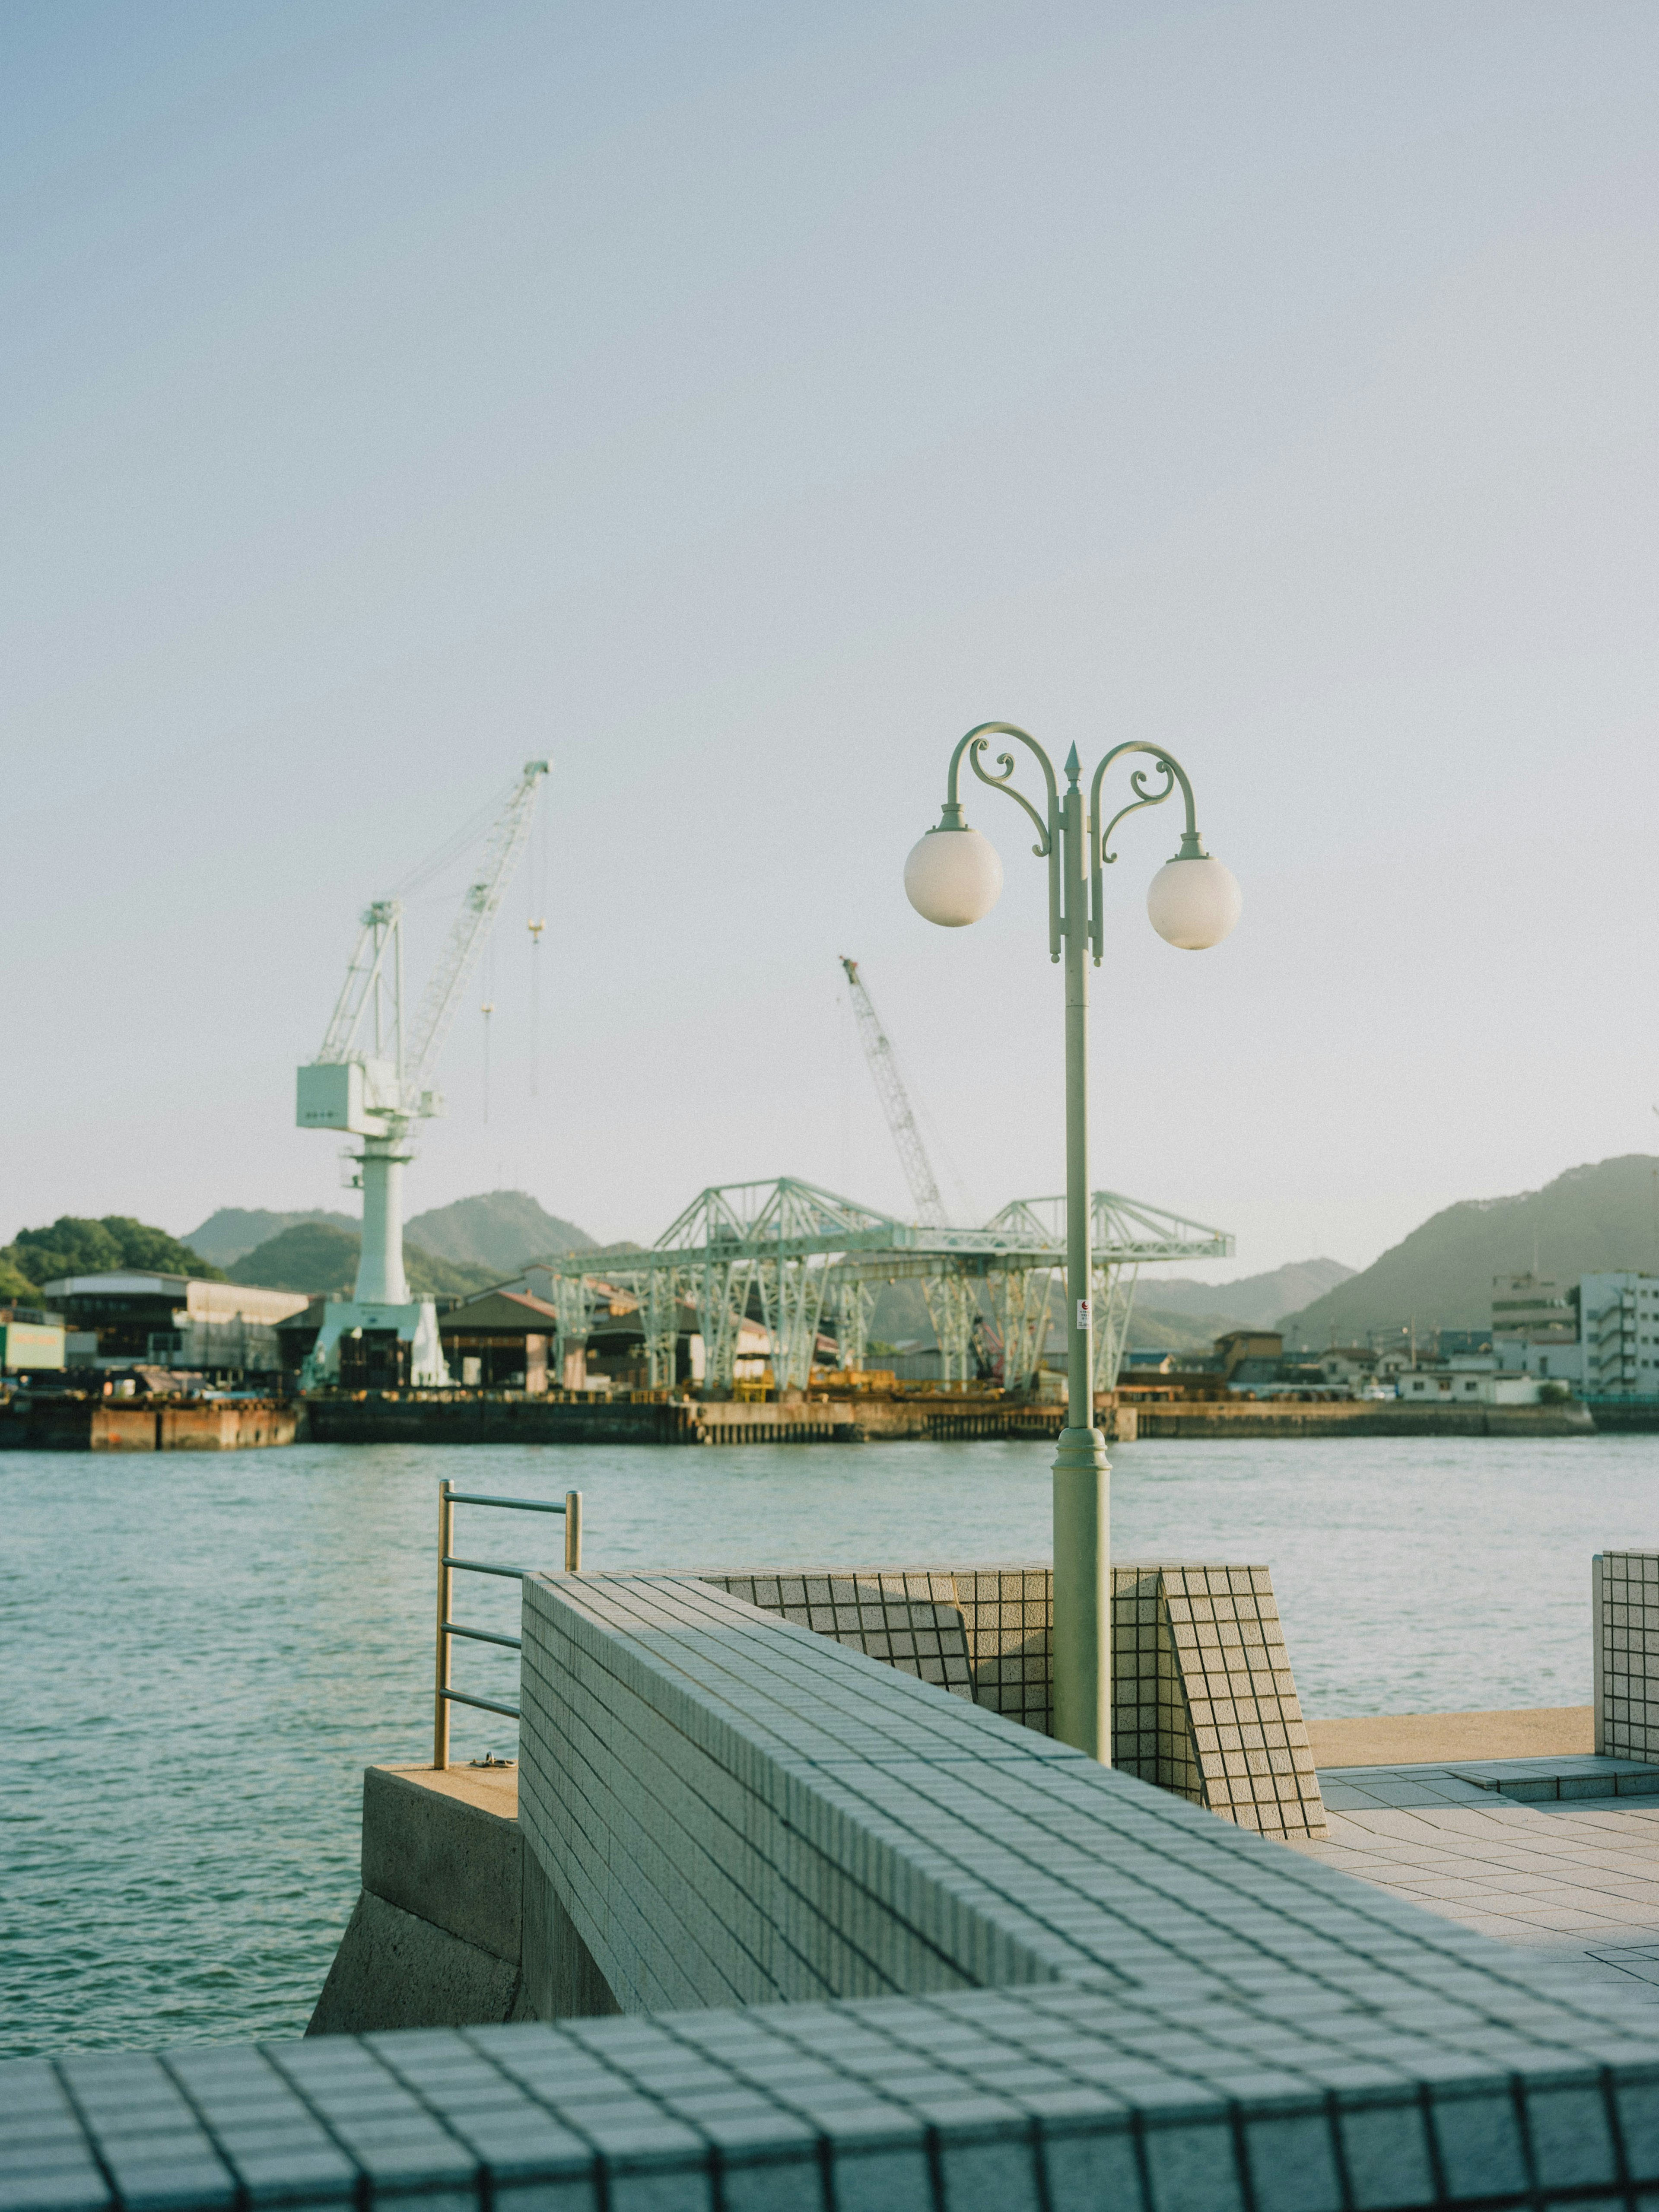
[482, 897]
[895, 1102]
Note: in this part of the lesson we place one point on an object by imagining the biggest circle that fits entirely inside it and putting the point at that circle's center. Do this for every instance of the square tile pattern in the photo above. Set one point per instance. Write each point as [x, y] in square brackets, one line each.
[1016, 1981]
[1203, 1700]
[1559, 1857]
[1625, 1594]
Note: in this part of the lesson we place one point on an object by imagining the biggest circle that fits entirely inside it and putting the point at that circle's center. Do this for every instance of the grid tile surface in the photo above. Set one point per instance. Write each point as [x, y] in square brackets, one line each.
[1204, 1703]
[1549, 1855]
[1625, 1626]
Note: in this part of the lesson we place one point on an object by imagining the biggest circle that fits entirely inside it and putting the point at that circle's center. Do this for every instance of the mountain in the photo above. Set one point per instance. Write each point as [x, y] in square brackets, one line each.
[1591, 1219]
[1151, 1330]
[1253, 1302]
[316, 1257]
[501, 1231]
[224, 1236]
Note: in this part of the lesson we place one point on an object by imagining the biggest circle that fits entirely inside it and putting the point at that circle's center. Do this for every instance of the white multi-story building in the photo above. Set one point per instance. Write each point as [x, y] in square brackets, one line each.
[1618, 1336]
[1534, 1328]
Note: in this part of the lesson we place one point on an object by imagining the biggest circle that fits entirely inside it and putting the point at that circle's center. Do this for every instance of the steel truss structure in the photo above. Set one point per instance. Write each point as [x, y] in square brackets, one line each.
[797, 1257]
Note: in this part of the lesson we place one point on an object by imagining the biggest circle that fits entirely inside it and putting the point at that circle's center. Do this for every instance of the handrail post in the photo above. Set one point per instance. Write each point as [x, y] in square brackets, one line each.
[572, 1532]
[446, 1581]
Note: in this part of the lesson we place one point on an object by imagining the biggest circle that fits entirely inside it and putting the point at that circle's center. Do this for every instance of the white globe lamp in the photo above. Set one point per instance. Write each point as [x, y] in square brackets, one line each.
[953, 877]
[1194, 902]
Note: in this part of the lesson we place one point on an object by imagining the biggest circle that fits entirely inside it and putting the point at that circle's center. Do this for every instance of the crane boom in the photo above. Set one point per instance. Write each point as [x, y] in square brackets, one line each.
[482, 897]
[895, 1102]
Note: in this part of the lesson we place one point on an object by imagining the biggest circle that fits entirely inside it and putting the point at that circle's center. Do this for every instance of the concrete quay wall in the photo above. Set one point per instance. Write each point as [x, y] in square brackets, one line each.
[1277, 1417]
[437, 1938]
[460, 1417]
[118, 1424]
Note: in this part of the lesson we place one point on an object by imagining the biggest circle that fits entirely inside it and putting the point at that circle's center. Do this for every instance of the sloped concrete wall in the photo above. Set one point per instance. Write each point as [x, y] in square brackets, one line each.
[436, 1937]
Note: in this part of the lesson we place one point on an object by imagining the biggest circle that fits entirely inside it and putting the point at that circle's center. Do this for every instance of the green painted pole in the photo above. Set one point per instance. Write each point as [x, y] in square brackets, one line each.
[1081, 1636]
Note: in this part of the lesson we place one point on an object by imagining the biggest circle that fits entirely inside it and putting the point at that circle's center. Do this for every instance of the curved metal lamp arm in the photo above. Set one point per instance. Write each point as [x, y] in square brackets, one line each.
[1192, 846]
[1047, 845]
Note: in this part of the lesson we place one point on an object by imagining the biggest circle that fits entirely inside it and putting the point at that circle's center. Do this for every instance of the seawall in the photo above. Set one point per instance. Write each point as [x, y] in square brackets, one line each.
[126, 1424]
[410, 1417]
[1261, 1419]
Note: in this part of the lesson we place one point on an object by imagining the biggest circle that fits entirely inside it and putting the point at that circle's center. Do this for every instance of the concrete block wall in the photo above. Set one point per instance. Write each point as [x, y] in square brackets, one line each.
[1624, 1627]
[1205, 1702]
[435, 1938]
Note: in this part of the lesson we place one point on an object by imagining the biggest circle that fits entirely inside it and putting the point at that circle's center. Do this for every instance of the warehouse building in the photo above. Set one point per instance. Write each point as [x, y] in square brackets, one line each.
[176, 1321]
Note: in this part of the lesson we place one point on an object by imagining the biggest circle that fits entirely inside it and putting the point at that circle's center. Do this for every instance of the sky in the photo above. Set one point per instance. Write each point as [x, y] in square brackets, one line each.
[733, 403]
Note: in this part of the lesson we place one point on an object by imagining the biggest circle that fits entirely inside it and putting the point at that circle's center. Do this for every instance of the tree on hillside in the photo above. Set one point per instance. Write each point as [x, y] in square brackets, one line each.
[312, 1256]
[15, 1286]
[316, 1257]
[74, 1245]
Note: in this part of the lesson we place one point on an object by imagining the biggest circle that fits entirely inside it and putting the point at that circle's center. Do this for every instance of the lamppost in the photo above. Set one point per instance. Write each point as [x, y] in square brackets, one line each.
[953, 877]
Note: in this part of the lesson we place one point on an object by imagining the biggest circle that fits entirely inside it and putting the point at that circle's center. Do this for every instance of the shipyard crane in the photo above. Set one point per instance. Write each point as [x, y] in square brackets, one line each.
[895, 1102]
[949, 1299]
[372, 1075]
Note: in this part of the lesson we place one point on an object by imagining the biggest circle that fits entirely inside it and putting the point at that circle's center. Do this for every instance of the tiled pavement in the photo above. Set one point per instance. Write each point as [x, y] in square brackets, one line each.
[1558, 1856]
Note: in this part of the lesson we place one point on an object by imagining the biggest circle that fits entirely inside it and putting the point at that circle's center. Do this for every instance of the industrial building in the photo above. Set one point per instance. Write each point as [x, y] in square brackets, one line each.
[498, 1341]
[174, 1321]
[32, 1342]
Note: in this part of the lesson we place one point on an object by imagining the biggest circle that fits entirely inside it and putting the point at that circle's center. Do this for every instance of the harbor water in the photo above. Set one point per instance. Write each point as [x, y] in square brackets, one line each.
[203, 1652]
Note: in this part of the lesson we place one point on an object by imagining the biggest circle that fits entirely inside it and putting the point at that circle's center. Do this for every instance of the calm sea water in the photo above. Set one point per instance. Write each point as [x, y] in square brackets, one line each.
[202, 1653]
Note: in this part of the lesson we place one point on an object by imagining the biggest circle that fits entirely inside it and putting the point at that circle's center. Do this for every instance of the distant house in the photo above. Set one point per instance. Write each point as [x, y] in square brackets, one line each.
[1350, 1367]
[1241, 1346]
[1467, 1382]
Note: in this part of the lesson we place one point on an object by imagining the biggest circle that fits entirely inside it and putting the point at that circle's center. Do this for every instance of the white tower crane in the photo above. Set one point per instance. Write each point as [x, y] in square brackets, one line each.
[371, 1078]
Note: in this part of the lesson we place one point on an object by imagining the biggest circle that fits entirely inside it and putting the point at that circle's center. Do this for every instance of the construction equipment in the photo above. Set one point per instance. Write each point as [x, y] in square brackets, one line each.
[803, 1255]
[371, 1078]
[895, 1102]
[951, 1307]
[1126, 1233]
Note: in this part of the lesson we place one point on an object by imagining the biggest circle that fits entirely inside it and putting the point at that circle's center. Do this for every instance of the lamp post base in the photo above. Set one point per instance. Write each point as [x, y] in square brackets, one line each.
[1081, 1635]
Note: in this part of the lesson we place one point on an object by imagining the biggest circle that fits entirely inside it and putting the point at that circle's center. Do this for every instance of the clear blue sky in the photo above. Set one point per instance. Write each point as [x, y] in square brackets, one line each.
[735, 402]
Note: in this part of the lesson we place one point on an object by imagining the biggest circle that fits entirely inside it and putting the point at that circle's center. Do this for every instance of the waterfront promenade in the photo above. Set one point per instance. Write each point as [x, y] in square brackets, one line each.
[1008, 1976]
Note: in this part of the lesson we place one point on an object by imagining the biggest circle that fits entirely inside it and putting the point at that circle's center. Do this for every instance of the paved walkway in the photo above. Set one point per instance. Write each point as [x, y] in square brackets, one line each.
[1558, 1856]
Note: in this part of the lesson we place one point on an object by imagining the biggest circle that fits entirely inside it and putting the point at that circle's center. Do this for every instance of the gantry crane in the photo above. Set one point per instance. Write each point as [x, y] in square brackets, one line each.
[371, 1078]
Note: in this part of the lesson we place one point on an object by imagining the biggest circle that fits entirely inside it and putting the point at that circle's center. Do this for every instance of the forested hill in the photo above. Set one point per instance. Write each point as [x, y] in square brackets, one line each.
[499, 1232]
[1249, 1301]
[316, 1257]
[226, 1234]
[1604, 1217]
[502, 1229]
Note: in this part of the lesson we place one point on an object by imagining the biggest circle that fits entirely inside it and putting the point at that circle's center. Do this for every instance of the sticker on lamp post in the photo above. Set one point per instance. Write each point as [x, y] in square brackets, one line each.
[1083, 1316]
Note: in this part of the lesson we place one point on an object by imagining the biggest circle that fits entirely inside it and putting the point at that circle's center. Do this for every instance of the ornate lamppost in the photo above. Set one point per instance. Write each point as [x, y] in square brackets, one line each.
[953, 877]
